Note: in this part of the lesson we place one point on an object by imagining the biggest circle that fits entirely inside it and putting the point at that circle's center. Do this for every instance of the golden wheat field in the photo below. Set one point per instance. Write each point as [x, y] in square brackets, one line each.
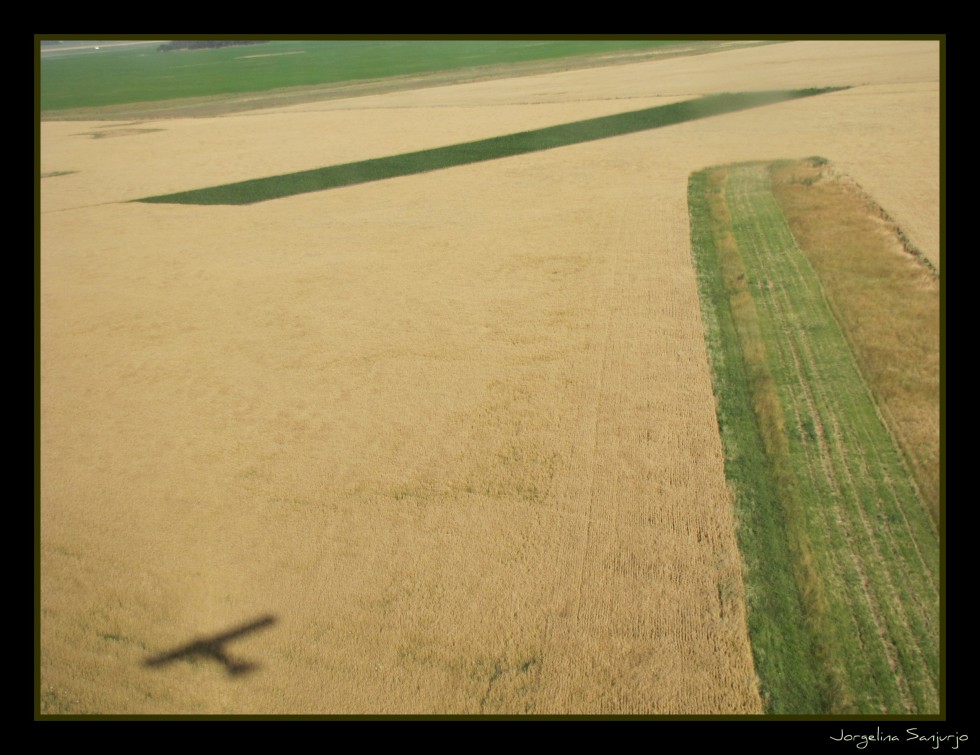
[453, 433]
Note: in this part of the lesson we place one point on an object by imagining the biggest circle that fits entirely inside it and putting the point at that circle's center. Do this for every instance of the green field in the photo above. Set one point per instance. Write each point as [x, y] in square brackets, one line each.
[334, 176]
[115, 76]
[841, 558]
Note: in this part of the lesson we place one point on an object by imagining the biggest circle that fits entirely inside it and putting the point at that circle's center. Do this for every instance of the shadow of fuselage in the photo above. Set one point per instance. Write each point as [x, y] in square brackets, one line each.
[213, 647]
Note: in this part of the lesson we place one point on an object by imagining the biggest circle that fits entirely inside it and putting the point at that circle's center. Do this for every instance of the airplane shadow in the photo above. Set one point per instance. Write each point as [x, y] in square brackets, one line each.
[213, 647]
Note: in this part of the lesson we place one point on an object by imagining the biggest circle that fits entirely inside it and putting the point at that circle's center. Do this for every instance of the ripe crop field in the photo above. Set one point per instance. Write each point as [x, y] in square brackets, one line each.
[823, 496]
[440, 443]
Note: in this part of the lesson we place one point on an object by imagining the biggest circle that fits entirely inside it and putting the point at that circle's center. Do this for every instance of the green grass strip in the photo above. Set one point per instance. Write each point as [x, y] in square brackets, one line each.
[841, 557]
[117, 75]
[792, 679]
[410, 163]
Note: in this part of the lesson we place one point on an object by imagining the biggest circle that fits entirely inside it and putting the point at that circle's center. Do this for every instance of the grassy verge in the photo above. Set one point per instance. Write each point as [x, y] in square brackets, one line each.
[348, 174]
[841, 559]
